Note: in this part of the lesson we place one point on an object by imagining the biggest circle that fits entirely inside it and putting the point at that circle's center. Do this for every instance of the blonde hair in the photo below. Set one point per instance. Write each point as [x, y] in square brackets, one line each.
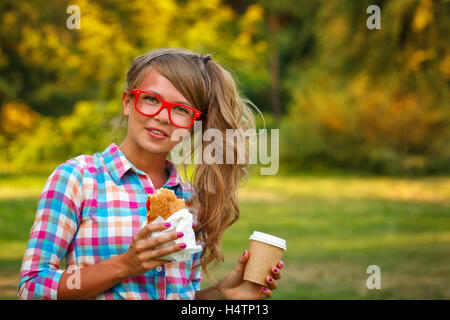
[211, 89]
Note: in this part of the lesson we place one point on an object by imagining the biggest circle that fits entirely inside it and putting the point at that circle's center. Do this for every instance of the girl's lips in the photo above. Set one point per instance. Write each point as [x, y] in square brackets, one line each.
[155, 136]
[157, 129]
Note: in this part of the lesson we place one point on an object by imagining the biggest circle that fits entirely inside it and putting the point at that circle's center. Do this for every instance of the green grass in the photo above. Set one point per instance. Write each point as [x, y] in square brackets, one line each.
[335, 227]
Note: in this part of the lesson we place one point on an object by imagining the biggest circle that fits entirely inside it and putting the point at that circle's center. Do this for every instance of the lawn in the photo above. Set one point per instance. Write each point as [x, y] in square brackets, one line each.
[335, 227]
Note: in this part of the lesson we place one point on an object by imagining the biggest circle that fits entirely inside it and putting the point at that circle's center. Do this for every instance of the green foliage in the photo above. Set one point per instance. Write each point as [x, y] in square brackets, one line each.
[351, 98]
[70, 77]
[374, 100]
[91, 127]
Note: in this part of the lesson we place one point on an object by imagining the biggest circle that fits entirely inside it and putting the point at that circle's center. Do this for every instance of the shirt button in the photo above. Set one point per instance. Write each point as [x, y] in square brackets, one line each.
[159, 269]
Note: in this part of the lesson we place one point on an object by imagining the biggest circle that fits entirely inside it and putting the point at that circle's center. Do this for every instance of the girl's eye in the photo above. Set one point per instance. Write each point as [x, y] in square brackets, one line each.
[181, 109]
[151, 100]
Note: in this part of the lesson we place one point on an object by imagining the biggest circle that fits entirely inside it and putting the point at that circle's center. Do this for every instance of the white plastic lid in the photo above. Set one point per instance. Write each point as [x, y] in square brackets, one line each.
[267, 238]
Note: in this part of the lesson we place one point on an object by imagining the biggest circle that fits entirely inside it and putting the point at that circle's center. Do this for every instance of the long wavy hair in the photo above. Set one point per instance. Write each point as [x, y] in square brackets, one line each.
[212, 89]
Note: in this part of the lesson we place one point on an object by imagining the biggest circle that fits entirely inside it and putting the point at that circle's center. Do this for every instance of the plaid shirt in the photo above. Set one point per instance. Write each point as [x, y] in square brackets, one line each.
[89, 211]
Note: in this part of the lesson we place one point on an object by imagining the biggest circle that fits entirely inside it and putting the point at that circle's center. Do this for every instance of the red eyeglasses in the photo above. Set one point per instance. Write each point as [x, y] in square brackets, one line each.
[150, 105]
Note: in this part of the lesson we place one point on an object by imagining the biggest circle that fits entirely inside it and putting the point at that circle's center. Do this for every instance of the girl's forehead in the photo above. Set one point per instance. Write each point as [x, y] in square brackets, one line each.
[155, 82]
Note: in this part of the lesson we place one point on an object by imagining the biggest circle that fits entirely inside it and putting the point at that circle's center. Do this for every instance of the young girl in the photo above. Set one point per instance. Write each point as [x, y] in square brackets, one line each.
[92, 206]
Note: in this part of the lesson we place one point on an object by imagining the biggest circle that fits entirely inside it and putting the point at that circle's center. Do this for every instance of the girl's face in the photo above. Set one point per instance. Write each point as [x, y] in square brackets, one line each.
[139, 125]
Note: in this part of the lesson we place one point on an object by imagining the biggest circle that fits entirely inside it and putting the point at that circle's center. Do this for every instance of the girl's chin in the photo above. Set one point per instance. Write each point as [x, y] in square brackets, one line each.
[156, 146]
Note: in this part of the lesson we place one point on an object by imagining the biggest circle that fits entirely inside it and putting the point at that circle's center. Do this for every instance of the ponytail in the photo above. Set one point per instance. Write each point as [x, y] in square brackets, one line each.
[217, 184]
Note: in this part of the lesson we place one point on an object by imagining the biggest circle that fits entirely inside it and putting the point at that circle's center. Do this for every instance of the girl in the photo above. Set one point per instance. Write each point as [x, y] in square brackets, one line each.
[92, 206]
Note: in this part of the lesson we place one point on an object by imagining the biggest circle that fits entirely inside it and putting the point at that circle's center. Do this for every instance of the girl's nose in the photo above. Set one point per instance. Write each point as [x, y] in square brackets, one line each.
[163, 115]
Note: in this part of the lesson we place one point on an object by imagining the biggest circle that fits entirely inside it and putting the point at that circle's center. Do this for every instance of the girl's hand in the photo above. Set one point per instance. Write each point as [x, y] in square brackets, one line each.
[234, 287]
[142, 256]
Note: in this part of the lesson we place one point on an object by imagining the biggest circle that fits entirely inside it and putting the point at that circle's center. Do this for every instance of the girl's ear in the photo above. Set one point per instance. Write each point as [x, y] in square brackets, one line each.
[126, 103]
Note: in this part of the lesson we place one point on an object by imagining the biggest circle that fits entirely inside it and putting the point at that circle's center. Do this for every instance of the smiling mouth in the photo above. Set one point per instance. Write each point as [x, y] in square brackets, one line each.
[157, 132]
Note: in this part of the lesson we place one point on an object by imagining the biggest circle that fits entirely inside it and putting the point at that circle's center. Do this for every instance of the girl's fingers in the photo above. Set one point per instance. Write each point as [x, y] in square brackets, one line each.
[272, 283]
[156, 254]
[266, 293]
[149, 228]
[166, 250]
[276, 273]
[147, 244]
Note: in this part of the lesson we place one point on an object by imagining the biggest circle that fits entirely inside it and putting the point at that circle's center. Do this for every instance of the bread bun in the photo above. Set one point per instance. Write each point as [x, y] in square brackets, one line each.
[164, 203]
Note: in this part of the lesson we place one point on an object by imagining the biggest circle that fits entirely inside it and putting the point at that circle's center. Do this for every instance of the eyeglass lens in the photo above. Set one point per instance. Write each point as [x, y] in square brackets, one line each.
[180, 115]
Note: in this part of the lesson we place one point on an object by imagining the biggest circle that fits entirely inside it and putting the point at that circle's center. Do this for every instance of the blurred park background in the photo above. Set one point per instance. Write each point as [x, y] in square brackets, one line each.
[363, 114]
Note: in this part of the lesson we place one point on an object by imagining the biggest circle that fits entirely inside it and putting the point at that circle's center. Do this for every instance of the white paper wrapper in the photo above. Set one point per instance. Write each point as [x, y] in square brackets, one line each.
[180, 221]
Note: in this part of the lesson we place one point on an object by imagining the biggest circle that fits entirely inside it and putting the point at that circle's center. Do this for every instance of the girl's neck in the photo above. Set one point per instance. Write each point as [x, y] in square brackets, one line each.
[152, 164]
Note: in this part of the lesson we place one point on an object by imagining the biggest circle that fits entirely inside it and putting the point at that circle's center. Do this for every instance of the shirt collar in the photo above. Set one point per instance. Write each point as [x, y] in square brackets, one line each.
[117, 165]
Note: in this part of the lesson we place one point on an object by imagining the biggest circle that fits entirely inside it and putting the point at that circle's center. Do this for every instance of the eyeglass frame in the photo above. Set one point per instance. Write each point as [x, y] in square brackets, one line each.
[169, 105]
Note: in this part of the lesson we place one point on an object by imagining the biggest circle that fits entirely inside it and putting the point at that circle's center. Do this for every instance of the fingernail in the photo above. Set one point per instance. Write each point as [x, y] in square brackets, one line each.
[244, 252]
[264, 288]
[270, 279]
[180, 234]
[183, 245]
[167, 224]
[275, 269]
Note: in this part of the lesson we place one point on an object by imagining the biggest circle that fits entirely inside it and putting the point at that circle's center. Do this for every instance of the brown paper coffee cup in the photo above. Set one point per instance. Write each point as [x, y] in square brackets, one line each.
[265, 252]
